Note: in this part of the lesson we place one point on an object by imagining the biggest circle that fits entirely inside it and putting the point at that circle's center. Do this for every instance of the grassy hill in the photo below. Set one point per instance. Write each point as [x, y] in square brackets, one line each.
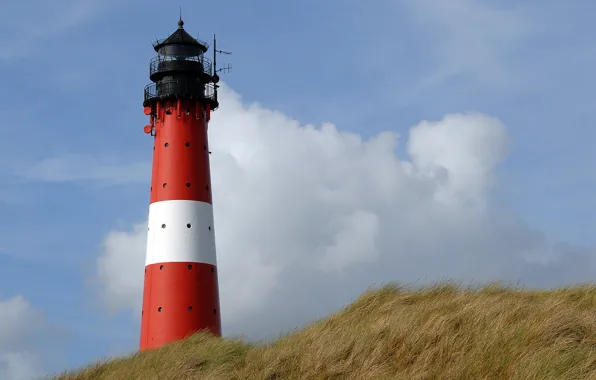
[442, 332]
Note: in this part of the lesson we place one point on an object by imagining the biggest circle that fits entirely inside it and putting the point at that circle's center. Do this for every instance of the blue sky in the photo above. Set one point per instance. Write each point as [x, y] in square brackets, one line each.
[76, 162]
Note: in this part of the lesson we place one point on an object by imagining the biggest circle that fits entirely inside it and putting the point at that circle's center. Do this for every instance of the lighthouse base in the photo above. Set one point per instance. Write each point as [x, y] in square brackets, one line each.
[180, 299]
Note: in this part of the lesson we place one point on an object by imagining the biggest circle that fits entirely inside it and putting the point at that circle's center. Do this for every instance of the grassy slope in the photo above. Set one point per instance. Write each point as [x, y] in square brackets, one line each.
[444, 332]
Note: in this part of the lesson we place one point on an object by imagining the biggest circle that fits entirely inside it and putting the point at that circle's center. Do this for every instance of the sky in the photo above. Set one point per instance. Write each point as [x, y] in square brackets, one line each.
[357, 143]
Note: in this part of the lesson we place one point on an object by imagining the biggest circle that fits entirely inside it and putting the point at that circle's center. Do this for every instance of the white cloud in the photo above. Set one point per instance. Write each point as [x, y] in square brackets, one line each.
[21, 326]
[19, 366]
[122, 290]
[25, 24]
[307, 217]
[474, 39]
[68, 168]
[353, 243]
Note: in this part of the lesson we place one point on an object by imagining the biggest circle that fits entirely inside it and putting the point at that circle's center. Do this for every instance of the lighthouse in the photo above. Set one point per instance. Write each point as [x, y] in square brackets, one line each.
[180, 295]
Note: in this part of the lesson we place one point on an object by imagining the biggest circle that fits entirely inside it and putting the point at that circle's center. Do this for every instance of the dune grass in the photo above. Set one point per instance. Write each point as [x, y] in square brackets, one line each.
[440, 332]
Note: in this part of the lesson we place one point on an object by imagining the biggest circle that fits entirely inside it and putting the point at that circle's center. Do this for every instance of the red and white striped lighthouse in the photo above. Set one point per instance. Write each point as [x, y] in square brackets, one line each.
[181, 293]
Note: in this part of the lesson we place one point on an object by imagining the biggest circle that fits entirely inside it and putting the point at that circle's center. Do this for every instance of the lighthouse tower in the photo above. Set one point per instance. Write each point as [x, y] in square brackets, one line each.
[181, 293]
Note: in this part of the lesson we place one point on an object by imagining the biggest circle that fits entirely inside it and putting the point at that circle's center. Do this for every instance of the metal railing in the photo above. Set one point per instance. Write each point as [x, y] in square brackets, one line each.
[160, 64]
[180, 89]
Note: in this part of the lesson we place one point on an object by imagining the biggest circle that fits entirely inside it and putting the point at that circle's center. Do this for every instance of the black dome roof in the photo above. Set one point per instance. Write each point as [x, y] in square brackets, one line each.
[181, 37]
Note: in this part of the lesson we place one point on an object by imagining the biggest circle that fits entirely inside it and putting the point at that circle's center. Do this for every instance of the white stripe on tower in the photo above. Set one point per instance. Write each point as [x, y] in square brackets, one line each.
[181, 231]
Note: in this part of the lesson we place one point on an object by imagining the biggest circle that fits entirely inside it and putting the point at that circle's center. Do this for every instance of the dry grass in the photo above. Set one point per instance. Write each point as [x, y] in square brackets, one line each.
[442, 332]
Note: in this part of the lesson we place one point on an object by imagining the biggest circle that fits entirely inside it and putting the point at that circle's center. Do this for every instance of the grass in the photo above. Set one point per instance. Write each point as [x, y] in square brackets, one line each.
[441, 332]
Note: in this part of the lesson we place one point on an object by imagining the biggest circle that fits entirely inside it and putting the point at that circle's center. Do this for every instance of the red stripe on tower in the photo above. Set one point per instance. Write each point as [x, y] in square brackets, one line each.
[181, 295]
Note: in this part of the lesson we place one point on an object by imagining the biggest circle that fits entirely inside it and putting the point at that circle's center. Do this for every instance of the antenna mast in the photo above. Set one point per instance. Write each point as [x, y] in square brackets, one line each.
[226, 69]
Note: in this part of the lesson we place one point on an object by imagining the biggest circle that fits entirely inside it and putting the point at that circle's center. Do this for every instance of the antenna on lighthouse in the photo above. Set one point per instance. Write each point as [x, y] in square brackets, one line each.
[226, 69]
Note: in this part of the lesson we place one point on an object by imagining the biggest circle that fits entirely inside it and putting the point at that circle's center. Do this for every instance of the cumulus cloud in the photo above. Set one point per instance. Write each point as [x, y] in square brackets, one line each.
[308, 217]
[21, 326]
[120, 250]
